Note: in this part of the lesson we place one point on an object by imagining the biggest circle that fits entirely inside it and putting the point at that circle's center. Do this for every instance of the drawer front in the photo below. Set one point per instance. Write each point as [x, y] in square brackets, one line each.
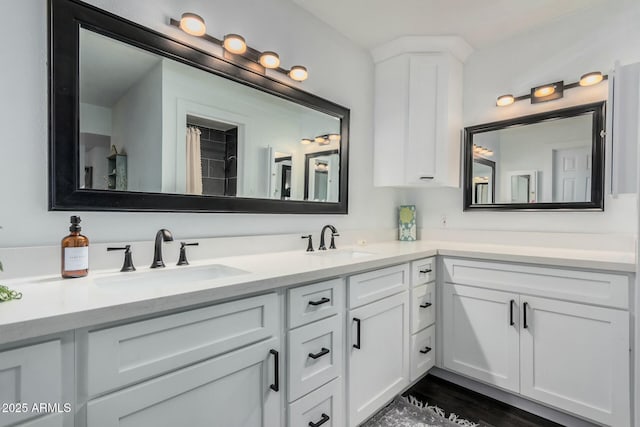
[375, 285]
[423, 271]
[423, 352]
[424, 307]
[324, 407]
[32, 375]
[590, 287]
[129, 353]
[315, 355]
[314, 302]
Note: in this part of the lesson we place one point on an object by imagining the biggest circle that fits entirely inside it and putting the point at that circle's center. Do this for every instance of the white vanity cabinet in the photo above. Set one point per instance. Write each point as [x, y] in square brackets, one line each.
[423, 316]
[217, 365]
[521, 328]
[378, 344]
[418, 113]
[32, 376]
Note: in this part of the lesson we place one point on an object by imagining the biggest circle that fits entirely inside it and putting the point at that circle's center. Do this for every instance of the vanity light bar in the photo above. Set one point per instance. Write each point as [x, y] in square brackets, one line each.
[235, 49]
[321, 139]
[479, 150]
[551, 91]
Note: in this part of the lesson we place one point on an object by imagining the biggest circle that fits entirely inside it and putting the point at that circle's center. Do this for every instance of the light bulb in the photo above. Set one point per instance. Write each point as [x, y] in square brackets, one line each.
[504, 100]
[192, 24]
[235, 43]
[334, 137]
[269, 59]
[592, 78]
[298, 73]
[541, 91]
[305, 141]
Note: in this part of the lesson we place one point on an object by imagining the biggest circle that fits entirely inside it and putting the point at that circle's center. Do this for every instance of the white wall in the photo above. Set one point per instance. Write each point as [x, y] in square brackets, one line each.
[563, 50]
[95, 119]
[267, 25]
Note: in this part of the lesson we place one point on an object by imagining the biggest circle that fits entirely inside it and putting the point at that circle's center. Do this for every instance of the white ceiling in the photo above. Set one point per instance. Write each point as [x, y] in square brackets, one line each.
[370, 23]
[108, 68]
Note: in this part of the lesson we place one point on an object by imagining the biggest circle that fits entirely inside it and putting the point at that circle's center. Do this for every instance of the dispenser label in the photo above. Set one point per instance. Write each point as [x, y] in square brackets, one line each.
[76, 258]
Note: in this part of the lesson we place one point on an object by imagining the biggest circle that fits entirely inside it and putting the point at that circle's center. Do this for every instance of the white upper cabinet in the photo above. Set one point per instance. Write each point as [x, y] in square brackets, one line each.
[418, 111]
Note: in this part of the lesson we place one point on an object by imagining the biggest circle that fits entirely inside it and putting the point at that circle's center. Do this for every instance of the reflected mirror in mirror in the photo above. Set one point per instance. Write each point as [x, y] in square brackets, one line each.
[151, 124]
[551, 160]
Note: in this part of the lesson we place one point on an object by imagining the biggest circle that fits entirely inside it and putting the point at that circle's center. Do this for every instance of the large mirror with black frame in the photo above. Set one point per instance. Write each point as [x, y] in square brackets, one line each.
[143, 122]
[551, 160]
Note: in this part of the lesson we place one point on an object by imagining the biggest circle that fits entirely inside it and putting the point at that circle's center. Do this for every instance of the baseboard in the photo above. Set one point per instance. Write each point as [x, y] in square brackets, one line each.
[511, 399]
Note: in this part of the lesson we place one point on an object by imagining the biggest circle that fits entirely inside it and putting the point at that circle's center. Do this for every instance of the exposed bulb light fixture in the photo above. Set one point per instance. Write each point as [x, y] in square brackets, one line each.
[333, 137]
[504, 100]
[325, 139]
[592, 78]
[270, 59]
[193, 24]
[479, 150]
[298, 73]
[305, 141]
[235, 43]
[551, 91]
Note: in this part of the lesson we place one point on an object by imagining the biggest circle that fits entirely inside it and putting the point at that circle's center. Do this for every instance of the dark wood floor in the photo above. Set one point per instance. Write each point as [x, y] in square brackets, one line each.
[473, 406]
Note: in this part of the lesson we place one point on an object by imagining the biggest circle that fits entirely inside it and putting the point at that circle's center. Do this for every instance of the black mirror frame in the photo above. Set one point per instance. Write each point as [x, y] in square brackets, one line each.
[597, 169]
[66, 17]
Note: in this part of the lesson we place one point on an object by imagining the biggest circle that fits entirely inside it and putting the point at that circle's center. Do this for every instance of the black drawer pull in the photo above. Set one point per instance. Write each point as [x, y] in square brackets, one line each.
[276, 362]
[511, 322]
[425, 350]
[320, 301]
[357, 344]
[426, 305]
[320, 353]
[524, 312]
[425, 271]
[323, 420]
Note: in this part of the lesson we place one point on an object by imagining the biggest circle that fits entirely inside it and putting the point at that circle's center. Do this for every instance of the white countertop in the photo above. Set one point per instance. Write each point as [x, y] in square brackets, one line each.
[51, 304]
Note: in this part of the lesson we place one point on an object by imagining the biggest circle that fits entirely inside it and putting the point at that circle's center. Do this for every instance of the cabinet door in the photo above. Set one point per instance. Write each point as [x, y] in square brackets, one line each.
[233, 390]
[379, 355]
[481, 334]
[576, 357]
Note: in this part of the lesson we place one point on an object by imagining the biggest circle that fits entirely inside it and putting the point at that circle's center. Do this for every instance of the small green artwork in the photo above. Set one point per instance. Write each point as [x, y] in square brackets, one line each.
[407, 223]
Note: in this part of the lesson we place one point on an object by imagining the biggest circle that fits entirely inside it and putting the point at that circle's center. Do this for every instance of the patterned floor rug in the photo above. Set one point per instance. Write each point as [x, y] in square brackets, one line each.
[410, 412]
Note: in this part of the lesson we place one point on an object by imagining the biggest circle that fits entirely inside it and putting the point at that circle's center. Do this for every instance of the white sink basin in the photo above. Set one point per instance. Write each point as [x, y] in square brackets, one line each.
[343, 254]
[161, 276]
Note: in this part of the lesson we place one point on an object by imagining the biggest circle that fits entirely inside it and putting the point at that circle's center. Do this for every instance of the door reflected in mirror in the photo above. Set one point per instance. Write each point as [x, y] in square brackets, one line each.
[151, 124]
[550, 160]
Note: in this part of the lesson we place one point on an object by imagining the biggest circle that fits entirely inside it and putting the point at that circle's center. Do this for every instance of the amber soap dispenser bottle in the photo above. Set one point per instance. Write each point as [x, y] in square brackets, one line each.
[75, 252]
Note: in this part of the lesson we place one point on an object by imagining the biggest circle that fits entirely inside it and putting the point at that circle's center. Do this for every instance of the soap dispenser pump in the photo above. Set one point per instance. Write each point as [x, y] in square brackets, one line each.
[75, 251]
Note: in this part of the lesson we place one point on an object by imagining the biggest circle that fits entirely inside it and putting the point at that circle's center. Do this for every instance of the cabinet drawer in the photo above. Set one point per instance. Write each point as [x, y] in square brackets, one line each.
[314, 302]
[129, 353]
[592, 287]
[32, 374]
[423, 352]
[423, 271]
[375, 285]
[424, 307]
[230, 390]
[315, 355]
[325, 404]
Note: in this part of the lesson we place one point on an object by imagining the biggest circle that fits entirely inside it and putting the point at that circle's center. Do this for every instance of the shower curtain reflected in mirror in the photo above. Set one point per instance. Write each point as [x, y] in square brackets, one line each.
[194, 162]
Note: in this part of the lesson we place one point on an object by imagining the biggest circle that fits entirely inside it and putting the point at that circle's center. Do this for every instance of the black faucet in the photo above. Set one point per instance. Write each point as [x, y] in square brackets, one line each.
[162, 235]
[334, 233]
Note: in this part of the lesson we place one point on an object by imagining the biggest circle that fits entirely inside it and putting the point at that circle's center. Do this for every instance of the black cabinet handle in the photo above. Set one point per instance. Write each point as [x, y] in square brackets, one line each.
[323, 420]
[511, 322]
[425, 350]
[320, 301]
[357, 344]
[320, 353]
[425, 305]
[276, 363]
[425, 271]
[524, 312]
[426, 177]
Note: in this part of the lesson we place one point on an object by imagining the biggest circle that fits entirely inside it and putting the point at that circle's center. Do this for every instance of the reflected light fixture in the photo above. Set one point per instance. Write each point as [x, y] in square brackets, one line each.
[479, 150]
[235, 43]
[334, 137]
[298, 73]
[270, 59]
[235, 49]
[325, 139]
[305, 141]
[193, 24]
[590, 79]
[551, 91]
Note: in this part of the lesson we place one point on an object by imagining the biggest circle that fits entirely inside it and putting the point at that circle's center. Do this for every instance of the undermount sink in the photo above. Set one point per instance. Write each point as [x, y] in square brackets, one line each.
[172, 276]
[345, 254]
